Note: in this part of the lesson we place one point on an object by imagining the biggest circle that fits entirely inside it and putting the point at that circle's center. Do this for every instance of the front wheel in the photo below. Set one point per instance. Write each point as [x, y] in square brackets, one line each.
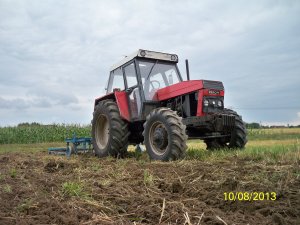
[164, 135]
[238, 136]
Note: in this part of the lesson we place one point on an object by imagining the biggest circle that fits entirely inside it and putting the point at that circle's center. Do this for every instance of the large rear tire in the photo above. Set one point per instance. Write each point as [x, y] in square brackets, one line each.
[238, 137]
[109, 130]
[164, 135]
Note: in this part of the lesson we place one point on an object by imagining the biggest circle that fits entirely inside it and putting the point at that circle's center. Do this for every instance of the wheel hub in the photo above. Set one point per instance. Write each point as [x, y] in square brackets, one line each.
[160, 137]
[102, 131]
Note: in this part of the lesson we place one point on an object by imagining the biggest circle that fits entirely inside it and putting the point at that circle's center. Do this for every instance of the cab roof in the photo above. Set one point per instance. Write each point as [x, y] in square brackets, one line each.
[141, 53]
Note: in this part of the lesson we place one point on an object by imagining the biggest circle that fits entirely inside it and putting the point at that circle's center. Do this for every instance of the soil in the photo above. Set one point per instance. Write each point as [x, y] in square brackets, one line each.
[130, 191]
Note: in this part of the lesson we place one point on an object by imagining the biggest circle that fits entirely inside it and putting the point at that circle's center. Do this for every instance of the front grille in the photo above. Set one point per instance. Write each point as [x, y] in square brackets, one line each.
[209, 84]
[228, 120]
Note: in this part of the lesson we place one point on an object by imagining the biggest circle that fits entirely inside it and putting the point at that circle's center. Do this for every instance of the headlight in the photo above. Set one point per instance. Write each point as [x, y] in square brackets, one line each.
[205, 102]
[220, 103]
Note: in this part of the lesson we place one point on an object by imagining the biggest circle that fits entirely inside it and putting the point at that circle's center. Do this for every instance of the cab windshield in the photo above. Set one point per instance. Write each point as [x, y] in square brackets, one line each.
[156, 75]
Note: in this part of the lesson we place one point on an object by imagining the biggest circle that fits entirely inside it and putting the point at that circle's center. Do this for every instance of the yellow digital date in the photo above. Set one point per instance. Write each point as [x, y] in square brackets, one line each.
[250, 196]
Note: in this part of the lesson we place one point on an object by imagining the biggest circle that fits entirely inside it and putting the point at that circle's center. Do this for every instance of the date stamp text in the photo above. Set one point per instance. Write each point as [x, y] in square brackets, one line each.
[250, 196]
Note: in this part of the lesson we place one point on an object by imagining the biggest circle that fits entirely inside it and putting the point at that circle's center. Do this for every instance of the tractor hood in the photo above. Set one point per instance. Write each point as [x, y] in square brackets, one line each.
[186, 87]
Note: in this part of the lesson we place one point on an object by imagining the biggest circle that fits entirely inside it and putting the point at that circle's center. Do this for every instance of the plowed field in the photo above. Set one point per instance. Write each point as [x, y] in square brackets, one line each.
[36, 188]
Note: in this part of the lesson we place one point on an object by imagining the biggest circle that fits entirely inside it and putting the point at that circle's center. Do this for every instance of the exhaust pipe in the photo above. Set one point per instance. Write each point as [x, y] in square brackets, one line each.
[187, 69]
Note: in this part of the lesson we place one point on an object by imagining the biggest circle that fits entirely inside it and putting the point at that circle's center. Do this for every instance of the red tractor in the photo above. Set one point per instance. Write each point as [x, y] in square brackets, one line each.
[148, 102]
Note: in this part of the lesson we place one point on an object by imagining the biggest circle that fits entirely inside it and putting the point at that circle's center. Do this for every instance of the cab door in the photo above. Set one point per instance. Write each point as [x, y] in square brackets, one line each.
[132, 89]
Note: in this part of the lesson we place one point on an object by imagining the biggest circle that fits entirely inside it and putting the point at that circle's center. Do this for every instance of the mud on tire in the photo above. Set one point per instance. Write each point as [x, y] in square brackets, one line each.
[109, 132]
[164, 135]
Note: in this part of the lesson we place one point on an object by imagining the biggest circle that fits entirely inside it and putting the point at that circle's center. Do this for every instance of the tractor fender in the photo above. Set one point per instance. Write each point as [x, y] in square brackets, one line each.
[122, 101]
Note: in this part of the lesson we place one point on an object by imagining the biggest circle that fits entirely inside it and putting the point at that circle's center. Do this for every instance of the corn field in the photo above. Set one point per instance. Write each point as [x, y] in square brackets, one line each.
[36, 133]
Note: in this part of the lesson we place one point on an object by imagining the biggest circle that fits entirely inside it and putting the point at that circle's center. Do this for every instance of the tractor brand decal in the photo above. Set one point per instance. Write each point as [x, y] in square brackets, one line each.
[213, 92]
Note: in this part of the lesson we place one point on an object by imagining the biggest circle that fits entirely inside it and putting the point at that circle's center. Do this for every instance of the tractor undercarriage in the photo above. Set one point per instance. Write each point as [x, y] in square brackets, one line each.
[210, 126]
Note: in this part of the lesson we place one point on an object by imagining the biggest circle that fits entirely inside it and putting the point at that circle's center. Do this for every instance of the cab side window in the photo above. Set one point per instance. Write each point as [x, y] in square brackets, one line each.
[130, 75]
[116, 80]
[134, 96]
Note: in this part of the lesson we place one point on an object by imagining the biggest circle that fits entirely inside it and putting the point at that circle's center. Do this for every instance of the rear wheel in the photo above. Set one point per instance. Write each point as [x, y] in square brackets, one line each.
[237, 139]
[109, 131]
[164, 135]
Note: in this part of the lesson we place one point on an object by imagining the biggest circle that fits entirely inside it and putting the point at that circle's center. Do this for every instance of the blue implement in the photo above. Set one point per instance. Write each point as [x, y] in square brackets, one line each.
[75, 145]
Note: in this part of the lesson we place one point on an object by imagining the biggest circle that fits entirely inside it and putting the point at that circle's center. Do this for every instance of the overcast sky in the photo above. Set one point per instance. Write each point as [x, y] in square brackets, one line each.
[55, 55]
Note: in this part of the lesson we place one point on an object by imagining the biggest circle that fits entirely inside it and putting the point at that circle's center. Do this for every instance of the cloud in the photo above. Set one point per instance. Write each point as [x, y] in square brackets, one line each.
[36, 102]
[57, 54]
[297, 120]
[293, 122]
[55, 96]
[16, 103]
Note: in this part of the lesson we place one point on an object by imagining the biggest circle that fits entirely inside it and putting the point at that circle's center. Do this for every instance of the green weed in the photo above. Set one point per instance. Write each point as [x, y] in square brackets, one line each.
[197, 154]
[96, 167]
[25, 205]
[7, 188]
[71, 189]
[148, 177]
[13, 173]
[273, 153]
[141, 162]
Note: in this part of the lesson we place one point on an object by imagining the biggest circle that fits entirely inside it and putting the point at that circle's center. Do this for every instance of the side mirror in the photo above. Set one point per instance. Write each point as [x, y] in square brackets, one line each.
[129, 90]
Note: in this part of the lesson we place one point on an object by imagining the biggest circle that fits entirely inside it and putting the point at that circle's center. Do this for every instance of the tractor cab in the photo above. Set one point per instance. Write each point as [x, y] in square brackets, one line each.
[140, 76]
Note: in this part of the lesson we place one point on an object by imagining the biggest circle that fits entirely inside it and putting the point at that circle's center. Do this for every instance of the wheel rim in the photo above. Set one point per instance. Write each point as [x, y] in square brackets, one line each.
[158, 138]
[102, 131]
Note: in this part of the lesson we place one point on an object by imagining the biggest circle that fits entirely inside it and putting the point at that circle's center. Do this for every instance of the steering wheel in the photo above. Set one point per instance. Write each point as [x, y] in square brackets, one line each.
[153, 86]
[153, 89]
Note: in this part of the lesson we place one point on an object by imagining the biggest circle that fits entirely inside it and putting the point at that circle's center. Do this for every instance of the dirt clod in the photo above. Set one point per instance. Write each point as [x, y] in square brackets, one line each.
[53, 166]
[4, 159]
[278, 219]
[177, 187]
